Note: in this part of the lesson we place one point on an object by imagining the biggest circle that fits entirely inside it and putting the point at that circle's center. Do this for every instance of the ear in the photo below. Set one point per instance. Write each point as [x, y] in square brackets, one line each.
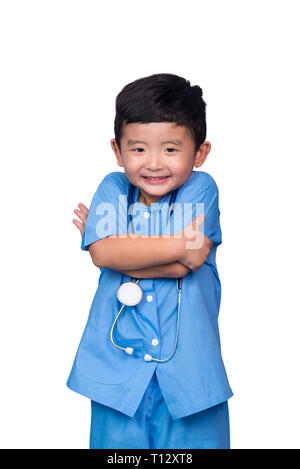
[201, 154]
[117, 152]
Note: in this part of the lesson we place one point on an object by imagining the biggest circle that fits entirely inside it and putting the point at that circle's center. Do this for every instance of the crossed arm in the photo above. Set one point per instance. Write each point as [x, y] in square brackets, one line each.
[140, 257]
[147, 257]
[172, 270]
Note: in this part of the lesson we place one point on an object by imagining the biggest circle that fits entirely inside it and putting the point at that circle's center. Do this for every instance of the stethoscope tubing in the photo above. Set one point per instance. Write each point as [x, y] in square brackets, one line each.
[130, 350]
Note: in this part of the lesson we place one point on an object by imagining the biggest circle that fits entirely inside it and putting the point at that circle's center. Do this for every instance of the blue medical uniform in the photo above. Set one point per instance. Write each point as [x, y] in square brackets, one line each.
[152, 426]
[194, 379]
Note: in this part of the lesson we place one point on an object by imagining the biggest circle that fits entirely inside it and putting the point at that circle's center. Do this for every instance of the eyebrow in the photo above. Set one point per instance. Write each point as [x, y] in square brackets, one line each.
[173, 142]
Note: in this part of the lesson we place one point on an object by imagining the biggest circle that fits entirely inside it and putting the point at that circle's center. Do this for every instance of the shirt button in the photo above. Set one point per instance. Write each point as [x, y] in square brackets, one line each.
[146, 215]
[149, 298]
[154, 342]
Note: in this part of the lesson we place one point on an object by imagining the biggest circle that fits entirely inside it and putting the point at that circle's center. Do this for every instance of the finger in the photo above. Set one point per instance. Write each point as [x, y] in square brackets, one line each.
[83, 208]
[200, 219]
[197, 223]
[80, 215]
[77, 223]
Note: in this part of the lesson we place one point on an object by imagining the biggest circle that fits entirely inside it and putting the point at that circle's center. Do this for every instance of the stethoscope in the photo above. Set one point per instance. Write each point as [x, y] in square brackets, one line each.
[131, 294]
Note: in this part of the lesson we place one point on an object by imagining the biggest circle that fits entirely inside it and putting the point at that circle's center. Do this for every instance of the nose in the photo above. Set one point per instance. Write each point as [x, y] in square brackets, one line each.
[154, 161]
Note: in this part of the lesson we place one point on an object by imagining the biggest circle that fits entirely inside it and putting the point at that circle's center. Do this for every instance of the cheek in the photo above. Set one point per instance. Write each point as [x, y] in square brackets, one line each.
[131, 158]
[130, 162]
[131, 166]
[180, 169]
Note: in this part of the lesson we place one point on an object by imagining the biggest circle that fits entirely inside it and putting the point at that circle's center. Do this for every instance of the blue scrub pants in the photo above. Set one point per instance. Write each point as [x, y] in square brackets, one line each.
[152, 426]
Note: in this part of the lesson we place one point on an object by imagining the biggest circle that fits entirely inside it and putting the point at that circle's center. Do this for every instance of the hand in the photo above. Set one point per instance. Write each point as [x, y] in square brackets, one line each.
[82, 213]
[197, 246]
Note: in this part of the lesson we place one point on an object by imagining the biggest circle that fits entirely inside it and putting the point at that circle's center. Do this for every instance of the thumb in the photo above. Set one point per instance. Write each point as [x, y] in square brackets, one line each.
[199, 220]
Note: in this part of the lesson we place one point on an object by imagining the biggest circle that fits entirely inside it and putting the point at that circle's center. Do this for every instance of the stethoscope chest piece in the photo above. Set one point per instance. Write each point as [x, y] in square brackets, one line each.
[130, 293]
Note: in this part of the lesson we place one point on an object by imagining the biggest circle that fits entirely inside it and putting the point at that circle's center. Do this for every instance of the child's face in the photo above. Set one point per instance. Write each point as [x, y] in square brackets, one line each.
[158, 150]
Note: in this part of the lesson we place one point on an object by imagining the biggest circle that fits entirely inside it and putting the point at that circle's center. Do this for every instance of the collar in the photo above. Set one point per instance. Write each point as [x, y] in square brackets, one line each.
[164, 199]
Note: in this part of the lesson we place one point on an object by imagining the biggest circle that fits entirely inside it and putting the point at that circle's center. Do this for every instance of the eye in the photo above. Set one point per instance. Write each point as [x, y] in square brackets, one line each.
[174, 149]
[138, 149]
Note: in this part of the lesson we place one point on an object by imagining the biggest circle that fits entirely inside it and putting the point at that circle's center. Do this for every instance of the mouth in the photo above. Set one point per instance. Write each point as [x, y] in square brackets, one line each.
[155, 180]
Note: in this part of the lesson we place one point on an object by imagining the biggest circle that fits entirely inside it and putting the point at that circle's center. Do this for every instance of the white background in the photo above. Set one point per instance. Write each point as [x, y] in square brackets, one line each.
[62, 65]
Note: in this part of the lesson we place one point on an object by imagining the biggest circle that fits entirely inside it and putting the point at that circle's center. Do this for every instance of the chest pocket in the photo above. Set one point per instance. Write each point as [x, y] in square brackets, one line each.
[98, 359]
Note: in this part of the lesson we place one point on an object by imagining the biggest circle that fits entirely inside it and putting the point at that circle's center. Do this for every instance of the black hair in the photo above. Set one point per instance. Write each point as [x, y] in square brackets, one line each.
[162, 97]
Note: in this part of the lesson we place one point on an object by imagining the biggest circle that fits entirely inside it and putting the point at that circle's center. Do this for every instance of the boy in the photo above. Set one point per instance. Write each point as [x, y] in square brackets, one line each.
[144, 392]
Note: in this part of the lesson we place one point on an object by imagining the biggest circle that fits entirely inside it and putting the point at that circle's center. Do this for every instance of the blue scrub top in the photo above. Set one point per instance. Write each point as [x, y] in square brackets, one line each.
[195, 377]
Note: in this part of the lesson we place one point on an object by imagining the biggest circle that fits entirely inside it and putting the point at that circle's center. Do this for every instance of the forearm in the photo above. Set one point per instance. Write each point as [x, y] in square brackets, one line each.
[130, 253]
[172, 270]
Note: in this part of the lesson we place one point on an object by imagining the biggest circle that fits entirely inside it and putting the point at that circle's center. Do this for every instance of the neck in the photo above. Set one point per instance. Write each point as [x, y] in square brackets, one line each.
[143, 199]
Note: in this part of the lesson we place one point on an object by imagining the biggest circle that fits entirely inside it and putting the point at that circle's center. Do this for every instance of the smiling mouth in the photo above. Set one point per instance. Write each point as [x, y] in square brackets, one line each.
[155, 181]
[156, 178]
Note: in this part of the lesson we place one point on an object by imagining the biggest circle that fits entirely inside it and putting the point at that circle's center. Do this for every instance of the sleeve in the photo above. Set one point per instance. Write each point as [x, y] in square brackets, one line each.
[108, 210]
[200, 195]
